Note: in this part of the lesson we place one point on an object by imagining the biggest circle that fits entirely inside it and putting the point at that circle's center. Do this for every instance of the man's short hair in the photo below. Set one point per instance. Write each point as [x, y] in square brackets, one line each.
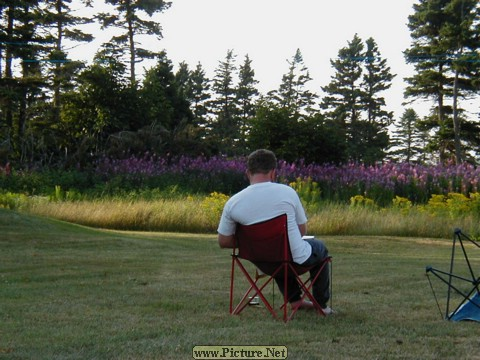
[261, 161]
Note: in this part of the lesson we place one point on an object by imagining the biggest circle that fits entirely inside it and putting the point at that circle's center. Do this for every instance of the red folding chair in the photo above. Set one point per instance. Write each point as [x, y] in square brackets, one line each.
[266, 245]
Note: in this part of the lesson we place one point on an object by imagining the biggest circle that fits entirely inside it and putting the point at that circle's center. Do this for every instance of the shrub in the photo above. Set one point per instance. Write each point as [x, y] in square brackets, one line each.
[458, 204]
[308, 191]
[361, 201]
[401, 203]
[213, 205]
[454, 205]
[13, 201]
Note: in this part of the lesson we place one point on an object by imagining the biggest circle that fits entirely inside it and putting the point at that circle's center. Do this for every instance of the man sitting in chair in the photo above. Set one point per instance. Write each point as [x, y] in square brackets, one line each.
[264, 199]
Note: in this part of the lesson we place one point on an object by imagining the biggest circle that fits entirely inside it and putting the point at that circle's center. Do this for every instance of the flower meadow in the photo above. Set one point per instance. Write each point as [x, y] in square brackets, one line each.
[158, 194]
[339, 183]
[151, 176]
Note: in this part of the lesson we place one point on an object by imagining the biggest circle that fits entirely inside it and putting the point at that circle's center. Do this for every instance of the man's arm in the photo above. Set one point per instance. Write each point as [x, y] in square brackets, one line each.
[303, 229]
[226, 242]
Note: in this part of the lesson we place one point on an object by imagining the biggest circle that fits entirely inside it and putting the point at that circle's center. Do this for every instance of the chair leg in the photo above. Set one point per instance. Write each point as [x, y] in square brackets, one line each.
[257, 290]
[232, 276]
[330, 265]
[306, 287]
[253, 289]
[285, 293]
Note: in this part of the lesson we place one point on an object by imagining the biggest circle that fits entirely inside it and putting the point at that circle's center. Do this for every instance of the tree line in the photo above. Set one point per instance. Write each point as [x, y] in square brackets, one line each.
[57, 111]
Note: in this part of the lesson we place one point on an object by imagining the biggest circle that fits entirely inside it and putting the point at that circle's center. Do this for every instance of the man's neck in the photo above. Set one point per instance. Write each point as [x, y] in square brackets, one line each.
[260, 178]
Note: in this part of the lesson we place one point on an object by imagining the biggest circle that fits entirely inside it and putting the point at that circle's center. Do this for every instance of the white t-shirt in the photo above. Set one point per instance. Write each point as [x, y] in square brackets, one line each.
[263, 201]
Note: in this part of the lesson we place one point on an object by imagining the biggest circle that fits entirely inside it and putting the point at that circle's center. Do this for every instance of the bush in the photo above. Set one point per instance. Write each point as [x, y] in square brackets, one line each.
[362, 201]
[13, 201]
[44, 182]
[213, 205]
[308, 191]
[402, 204]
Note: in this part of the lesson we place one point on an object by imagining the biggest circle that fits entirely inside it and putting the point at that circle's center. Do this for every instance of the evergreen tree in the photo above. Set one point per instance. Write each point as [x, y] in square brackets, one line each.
[34, 35]
[192, 87]
[463, 33]
[443, 139]
[200, 94]
[199, 98]
[376, 79]
[165, 102]
[274, 128]
[246, 97]
[19, 41]
[292, 93]
[100, 114]
[58, 15]
[407, 138]
[354, 103]
[307, 138]
[343, 100]
[224, 128]
[182, 78]
[128, 19]
[444, 51]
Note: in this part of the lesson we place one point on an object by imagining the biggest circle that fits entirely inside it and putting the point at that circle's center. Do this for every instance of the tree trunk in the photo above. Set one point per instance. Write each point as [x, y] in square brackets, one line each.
[441, 120]
[456, 122]
[129, 17]
[8, 70]
[57, 72]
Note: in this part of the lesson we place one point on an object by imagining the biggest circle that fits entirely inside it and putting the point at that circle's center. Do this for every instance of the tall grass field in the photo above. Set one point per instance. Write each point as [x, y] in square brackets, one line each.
[201, 215]
[73, 292]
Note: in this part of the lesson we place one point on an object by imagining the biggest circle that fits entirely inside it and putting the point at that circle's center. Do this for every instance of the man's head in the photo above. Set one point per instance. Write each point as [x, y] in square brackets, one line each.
[261, 162]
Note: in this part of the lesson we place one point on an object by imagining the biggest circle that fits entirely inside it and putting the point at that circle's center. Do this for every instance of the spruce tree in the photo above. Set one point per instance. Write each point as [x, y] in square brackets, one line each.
[200, 94]
[407, 138]
[164, 99]
[376, 79]
[19, 91]
[193, 87]
[292, 93]
[183, 81]
[59, 16]
[246, 97]
[129, 20]
[444, 51]
[354, 103]
[463, 33]
[343, 100]
[225, 130]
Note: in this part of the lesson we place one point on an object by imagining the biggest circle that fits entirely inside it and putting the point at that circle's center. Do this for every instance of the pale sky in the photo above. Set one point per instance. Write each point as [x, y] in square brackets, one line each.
[270, 31]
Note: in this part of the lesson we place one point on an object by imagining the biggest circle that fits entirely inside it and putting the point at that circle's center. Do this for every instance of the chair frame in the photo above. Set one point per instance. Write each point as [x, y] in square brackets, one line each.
[448, 277]
[284, 266]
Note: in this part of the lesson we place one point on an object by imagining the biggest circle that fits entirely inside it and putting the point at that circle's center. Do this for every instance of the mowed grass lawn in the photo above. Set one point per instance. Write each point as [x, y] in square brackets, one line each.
[70, 292]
